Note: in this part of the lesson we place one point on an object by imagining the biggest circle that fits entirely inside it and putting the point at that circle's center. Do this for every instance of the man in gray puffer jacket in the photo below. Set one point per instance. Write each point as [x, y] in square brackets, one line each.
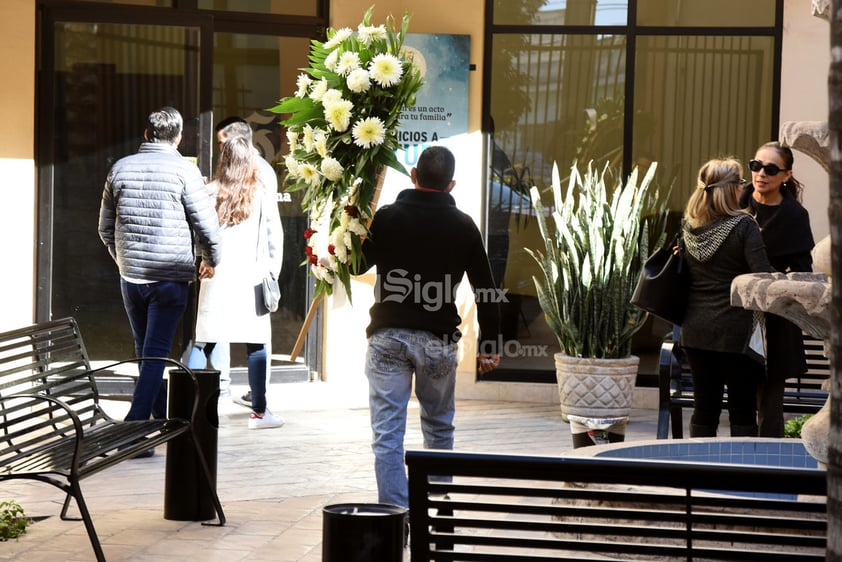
[154, 210]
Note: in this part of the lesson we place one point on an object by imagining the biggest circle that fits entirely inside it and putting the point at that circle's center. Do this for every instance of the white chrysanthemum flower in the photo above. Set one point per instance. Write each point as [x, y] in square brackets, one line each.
[332, 96]
[358, 81]
[369, 132]
[350, 60]
[292, 166]
[303, 82]
[368, 33]
[338, 38]
[307, 138]
[340, 249]
[355, 226]
[309, 174]
[318, 90]
[320, 142]
[292, 139]
[385, 69]
[338, 114]
[332, 169]
[330, 60]
[323, 273]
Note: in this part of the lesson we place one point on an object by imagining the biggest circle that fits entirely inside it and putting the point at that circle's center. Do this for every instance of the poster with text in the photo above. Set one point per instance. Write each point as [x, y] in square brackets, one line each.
[440, 114]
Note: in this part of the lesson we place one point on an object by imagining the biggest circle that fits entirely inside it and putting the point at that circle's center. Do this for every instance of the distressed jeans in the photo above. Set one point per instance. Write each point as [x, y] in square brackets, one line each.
[393, 355]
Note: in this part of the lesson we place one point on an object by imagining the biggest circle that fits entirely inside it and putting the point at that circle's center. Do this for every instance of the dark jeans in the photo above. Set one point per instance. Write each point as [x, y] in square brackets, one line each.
[154, 311]
[257, 375]
[712, 372]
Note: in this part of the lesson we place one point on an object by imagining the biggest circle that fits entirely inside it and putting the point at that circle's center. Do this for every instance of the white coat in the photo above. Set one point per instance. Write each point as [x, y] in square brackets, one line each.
[229, 308]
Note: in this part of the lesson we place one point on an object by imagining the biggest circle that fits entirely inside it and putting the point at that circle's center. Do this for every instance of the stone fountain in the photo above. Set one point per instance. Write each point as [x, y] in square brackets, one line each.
[803, 299]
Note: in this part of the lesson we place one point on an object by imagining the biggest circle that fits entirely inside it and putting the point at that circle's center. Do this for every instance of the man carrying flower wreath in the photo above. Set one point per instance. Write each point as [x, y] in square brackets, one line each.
[422, 246]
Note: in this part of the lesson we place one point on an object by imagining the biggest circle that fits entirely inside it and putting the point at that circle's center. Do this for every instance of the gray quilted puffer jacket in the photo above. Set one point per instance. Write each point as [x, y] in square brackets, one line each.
[154, 212]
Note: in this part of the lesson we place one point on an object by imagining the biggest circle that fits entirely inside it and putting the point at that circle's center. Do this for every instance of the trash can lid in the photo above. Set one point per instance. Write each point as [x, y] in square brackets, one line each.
[355, 509]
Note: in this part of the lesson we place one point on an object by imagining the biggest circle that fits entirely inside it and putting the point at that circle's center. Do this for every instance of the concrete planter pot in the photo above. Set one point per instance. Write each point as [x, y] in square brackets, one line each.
[596, 388]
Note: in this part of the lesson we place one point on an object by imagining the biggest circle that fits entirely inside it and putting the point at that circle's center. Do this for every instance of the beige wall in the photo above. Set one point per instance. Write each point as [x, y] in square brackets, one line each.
[17, 170]
[804, 97]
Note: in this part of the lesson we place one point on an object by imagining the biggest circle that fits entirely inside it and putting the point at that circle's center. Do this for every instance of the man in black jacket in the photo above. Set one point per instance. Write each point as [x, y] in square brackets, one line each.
[422, 246]
[153, 207]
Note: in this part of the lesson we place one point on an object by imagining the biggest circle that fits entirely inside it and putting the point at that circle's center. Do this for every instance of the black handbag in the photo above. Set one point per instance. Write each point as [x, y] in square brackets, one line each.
[664, 284]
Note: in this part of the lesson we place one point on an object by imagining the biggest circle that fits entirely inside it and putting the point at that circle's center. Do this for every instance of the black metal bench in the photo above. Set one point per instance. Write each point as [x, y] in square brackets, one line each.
[54, 429]
[523, 508]
[802, 395]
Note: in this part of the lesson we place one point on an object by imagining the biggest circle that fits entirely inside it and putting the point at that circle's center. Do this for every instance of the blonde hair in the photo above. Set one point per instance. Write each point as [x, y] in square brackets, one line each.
[236, 175]
[717, 193]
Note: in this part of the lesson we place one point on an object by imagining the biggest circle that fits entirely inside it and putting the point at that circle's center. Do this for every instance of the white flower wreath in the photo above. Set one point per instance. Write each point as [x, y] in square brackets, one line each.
[342, 134]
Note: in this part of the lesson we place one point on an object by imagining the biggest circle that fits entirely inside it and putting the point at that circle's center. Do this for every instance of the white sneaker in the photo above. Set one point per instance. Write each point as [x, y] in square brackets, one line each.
[269, 420]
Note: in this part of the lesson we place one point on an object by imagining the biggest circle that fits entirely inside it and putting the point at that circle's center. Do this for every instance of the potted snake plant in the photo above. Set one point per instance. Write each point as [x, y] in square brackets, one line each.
[595, 243]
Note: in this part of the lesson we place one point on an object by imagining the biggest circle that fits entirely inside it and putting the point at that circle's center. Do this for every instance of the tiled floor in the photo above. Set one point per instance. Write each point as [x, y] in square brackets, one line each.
[272, 483]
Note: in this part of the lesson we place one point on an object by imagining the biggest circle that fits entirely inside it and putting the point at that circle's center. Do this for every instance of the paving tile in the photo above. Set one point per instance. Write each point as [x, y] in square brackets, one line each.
[273, 484]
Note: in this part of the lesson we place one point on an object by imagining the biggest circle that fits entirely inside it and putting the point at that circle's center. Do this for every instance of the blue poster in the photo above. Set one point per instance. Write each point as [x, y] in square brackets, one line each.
[441, 106]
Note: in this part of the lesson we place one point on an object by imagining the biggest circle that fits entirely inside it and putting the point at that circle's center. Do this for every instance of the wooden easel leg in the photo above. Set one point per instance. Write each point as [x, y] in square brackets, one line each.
[302, 334]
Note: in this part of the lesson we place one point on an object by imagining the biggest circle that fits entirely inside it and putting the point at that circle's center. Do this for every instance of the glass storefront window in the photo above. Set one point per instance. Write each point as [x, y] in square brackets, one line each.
[561, 96]
[697, 98]
[107, 77]
[278, 7]
[706, 13]
[555, 99]
[153, 3]
[250, 74]
[560, 12]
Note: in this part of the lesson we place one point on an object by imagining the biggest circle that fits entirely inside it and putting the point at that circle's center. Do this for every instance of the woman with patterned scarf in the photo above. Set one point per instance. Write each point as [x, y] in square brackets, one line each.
[721, 241]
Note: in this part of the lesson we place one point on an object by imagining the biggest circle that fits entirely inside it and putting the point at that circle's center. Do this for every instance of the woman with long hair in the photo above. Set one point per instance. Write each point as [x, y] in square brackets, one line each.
[230, 305]
[774, 198]
[721, 241]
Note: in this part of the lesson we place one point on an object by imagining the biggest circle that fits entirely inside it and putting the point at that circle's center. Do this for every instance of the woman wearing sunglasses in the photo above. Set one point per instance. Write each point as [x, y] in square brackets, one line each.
[773, 197]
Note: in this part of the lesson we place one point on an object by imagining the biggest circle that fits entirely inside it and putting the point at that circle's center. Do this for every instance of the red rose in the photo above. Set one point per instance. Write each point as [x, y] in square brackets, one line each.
[308, 250]
[314, 259]
[308, 233]
[351, 210]
[331, 249]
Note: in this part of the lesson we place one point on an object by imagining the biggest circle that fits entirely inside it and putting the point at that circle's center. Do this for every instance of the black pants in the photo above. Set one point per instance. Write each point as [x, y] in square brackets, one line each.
[712, 372]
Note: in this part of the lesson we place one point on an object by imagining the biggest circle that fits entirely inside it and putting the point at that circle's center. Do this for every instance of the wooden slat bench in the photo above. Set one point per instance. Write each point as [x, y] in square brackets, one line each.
[802, 395]
[54, 429]
[523, 508]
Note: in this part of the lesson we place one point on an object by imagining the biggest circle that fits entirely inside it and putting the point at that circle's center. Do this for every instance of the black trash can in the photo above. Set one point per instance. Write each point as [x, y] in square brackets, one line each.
[186, 495]
[363, 532]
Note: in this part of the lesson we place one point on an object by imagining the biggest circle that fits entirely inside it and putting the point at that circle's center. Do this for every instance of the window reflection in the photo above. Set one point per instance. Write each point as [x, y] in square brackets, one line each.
[561, 97]
[560, 12]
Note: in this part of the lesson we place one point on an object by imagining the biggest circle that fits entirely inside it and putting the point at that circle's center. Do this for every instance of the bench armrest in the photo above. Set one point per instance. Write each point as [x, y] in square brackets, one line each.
[71, 416]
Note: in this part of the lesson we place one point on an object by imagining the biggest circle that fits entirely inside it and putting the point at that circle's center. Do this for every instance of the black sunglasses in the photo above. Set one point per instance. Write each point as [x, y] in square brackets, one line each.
[770, 169]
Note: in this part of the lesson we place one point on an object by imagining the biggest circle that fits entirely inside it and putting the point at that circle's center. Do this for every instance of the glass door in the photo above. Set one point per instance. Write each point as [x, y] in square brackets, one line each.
[251, 72]
[102, 70]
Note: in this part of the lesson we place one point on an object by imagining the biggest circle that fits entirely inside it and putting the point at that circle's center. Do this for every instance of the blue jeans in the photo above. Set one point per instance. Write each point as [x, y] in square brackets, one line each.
[257, 359]
[392, 357]
[212, 356]
[219, 358]
[154, 311]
